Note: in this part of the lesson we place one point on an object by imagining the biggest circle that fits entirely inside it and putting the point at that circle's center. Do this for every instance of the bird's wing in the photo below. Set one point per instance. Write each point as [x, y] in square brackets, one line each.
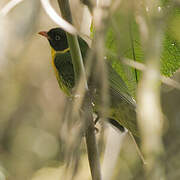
[118, 87]
[123, 107]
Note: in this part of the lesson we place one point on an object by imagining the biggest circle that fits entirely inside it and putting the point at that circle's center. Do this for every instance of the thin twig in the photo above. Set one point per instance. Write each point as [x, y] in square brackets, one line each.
[10, 5]
[56, 18]
[137, 148]
[142, 67]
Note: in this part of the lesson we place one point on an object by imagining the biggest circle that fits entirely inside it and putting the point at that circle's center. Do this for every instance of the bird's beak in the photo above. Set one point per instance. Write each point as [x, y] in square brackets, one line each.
[44, 33]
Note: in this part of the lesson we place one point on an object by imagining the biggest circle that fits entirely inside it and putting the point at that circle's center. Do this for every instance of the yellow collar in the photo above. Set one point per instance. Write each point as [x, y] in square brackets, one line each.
[63, 51]
[53, 52]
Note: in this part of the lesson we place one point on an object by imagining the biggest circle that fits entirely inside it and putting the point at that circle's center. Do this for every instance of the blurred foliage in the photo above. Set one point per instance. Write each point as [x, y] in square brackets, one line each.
[32, 106]
[175, 25]
[29, 111]
[123, 41]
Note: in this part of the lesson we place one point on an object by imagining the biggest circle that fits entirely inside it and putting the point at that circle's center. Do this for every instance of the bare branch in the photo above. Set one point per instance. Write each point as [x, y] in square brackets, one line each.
[56, 18]
[149, 113]
[142, 67]
[10, 5]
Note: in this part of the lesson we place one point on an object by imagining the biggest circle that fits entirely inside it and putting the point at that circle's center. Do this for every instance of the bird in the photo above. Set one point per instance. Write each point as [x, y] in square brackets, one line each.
[122, 107]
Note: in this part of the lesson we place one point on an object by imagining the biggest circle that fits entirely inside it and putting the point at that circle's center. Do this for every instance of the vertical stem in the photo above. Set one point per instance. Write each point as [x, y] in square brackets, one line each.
[92, 153]
[92, 148]
[74, 45]
[148, 96]
[77, 60]
[65, 10]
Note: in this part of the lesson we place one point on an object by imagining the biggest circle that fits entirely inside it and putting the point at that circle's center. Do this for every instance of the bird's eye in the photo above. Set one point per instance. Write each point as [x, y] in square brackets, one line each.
[57, 37]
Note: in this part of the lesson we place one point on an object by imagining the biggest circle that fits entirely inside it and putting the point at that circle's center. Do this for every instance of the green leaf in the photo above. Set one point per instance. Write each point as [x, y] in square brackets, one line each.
[170, 58]
[123, 40]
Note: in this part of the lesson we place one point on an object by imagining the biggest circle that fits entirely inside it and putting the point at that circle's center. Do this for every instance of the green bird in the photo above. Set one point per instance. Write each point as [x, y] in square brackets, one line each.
[122, 111]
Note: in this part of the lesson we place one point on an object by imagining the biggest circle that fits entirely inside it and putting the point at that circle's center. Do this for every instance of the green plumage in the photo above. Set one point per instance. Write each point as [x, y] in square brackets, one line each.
[64, 66]
[122, 106]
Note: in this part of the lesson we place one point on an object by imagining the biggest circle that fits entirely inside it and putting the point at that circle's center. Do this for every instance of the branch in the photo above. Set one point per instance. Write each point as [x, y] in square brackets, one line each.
[150, 118]
[89, 4]
[79, 70]
[10, 5]
[56, 18]
[142, 67]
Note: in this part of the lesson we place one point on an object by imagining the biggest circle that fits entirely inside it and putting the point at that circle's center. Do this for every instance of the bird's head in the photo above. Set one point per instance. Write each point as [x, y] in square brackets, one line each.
[57, 38]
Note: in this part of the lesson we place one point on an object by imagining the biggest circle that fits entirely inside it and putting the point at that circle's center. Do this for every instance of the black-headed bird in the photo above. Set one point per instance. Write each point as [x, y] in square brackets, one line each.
[122, 107]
